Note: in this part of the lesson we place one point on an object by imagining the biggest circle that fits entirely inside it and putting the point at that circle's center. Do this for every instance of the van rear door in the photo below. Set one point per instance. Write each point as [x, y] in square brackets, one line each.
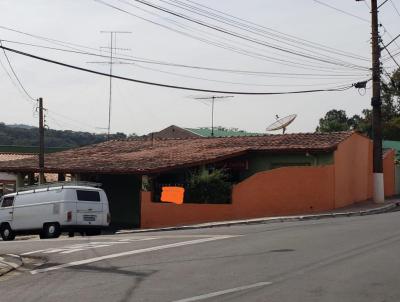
[89, 207]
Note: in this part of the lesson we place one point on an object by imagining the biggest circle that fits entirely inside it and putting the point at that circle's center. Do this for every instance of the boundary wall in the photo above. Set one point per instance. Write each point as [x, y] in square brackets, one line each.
[285, 191]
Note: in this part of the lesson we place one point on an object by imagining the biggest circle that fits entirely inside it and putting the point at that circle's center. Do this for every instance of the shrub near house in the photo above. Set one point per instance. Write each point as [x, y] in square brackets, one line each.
[209, 187]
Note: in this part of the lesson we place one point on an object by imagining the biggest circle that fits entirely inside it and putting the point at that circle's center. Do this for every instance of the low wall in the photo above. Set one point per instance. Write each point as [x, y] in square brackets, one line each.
[283, 191]
[287, 190]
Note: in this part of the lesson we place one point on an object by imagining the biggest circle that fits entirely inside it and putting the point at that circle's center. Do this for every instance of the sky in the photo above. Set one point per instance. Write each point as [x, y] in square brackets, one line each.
[79, 101]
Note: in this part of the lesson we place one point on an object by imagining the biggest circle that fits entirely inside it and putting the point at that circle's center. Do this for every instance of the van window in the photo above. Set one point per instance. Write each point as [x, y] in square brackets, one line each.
[7, 202]
[88, 195]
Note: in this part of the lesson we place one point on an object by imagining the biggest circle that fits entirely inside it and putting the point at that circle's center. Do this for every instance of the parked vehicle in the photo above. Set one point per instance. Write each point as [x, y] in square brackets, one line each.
[50, 210]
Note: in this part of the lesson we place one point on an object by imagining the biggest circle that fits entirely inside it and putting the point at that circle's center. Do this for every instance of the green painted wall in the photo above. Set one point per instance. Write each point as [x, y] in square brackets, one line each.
[263, 162]
[392, 145]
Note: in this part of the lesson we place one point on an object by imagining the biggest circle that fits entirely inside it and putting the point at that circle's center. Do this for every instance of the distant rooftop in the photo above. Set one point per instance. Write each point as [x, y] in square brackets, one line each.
[221, 132]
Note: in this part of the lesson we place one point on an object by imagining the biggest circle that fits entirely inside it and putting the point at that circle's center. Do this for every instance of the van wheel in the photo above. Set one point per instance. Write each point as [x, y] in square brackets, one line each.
[6, 232]
[50, 230]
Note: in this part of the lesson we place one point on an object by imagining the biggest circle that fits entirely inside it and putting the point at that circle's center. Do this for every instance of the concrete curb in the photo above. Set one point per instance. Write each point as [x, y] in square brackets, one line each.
[9, 262]
[383, 209]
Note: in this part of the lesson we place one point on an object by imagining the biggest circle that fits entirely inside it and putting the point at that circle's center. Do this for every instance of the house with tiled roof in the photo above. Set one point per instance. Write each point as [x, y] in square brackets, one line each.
[269, 175]
[8, 181]
[174, 131]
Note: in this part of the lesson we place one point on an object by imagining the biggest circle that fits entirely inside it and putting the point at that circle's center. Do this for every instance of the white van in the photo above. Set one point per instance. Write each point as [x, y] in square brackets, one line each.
[48, 211]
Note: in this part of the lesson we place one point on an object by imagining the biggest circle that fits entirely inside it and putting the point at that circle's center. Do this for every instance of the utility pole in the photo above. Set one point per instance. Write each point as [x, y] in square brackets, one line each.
[379, 195]
[212, 98]
[41, 142]
[113, 47]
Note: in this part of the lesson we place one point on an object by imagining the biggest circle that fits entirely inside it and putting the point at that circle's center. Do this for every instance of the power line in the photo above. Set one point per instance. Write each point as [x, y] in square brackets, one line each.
[385, 47]
[49, 40]
[127, 61]
[395, 8]
[218, 44]
[393, 40]
[380, 5]
[343, 88]
[229, 82]
[390, 36]
[74, 121]
[246, 38]
[252, 29]
[276, 32]
[15, 74]
[395, 55]
[24, 97]
[225, 46]
[342, 11]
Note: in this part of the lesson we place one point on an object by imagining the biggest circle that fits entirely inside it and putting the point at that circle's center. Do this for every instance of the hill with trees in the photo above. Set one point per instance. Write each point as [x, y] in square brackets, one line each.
[23, 135]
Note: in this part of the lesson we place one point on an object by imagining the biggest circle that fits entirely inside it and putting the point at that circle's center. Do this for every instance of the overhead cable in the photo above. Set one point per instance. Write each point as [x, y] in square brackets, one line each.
[343, 88]
[246, 38]
[252, 54]
[252, 29]
[342, 11]
[123, 60]
[229, 47]
[278, 33]
[15, 75]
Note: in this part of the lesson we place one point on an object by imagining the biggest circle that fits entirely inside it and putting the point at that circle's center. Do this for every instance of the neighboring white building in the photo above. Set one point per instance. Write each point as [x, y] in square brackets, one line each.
[10, 181]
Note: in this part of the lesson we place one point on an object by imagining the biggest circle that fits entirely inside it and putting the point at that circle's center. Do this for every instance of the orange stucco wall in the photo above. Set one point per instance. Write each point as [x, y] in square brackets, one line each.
[283, 191]
[389, 173]
[353, 173]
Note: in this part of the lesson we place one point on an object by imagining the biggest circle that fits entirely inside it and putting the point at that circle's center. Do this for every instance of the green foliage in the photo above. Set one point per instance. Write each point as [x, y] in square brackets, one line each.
[337, 120]
[334, 120]
[21, 135]
[209, 187]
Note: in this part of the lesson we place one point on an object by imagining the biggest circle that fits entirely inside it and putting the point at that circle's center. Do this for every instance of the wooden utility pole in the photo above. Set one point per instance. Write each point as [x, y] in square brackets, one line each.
[41, 142]
[376, 102]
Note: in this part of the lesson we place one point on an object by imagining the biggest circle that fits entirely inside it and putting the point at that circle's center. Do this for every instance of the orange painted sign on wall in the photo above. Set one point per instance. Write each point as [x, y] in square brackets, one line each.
[172, 194]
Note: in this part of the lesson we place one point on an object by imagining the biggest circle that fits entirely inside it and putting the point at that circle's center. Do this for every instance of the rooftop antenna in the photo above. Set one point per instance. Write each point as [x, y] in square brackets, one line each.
[212, 99]
[112, 49]
[281, 123]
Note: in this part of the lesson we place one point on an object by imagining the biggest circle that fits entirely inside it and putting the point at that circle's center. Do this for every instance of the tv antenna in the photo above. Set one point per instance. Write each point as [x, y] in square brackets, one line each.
[212, 99]
[112, 49]
[281, 123]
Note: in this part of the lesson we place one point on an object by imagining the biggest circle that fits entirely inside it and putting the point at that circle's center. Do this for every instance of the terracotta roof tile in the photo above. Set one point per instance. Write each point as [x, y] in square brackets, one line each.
[146, 155]
[13, 156]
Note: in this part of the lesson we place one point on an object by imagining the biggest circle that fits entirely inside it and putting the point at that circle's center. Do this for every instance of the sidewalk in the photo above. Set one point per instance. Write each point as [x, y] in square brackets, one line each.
[357, 209]
[366, 205]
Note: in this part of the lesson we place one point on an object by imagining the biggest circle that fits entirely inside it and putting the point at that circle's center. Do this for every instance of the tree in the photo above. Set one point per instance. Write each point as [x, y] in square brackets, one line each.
[334, 120]
[337, 120]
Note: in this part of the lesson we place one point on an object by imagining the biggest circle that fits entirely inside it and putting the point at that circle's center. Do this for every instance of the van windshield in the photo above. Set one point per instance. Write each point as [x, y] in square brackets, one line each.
[7, 201]
[86, 195]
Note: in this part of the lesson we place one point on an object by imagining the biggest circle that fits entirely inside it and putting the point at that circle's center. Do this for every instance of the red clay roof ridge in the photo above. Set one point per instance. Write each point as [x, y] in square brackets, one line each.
[147, 138]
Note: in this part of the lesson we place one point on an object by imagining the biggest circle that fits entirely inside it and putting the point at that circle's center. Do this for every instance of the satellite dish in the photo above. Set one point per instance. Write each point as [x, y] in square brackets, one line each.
[282, 123]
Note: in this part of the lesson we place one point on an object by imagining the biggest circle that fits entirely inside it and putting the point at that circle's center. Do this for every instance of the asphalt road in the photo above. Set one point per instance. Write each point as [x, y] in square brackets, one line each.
[342, 259]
